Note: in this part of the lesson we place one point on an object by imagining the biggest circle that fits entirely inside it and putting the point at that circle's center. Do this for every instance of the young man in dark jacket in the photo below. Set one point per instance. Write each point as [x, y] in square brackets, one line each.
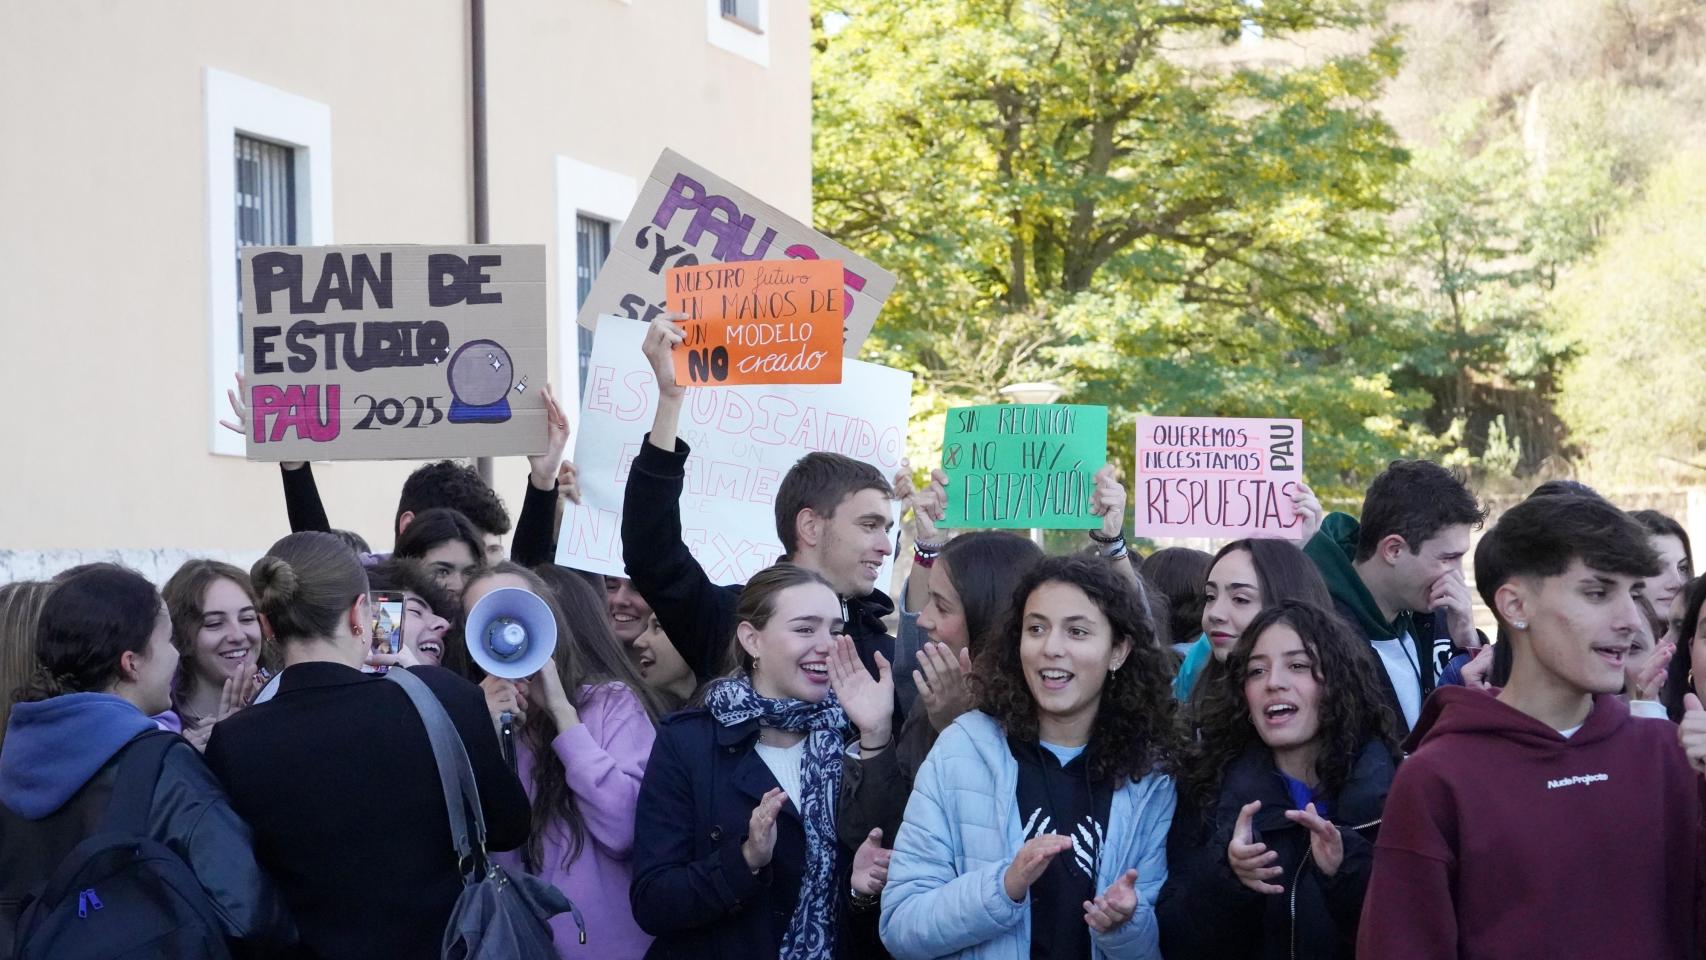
[834, 515]
[1544, 820]
[1398, 576]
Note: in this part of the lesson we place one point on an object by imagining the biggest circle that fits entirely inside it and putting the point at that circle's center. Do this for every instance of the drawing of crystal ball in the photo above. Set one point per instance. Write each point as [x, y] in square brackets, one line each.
[480, 373]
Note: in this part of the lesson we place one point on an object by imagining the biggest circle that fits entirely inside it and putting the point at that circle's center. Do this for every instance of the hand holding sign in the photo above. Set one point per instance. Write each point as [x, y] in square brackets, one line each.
[663, 335]
[544, 466]
[760, 321]
[1108, 501]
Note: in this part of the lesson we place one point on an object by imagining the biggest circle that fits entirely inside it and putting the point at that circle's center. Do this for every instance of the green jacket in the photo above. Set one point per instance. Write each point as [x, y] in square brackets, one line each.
[1333, 549]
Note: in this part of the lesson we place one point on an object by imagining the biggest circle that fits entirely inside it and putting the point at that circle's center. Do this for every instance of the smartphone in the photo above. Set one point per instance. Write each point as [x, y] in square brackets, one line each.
[388, 613]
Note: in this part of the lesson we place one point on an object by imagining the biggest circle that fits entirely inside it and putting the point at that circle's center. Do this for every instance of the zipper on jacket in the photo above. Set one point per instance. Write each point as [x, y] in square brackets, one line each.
[85, 900]
[1308, 855]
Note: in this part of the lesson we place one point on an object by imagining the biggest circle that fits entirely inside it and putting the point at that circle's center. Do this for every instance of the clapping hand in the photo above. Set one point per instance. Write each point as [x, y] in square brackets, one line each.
[868, 701]
[760, 843]
[1252, 862]
[942, 682]
[1115, 906]
[871, 865]
[1030, 862]
[1692, 731]
[1326, 844]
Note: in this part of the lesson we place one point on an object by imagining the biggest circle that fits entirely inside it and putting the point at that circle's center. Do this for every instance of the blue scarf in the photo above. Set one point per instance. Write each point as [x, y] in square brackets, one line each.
[733, 702]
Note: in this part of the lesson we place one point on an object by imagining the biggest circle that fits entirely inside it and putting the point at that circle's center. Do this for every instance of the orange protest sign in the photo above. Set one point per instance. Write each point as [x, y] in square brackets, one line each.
[758, 321]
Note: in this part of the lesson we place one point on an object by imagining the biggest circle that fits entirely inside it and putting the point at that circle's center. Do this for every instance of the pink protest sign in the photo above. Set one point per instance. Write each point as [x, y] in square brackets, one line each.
[1219, 477]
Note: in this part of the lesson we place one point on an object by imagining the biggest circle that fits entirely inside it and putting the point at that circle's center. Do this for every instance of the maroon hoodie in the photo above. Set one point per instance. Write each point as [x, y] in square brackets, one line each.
[1502, 839]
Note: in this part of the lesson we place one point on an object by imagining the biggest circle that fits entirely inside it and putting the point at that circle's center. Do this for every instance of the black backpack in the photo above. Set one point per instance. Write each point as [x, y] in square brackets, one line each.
[119, 894]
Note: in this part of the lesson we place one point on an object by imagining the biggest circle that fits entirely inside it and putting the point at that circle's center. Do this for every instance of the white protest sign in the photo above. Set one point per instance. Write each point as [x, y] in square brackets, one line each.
[743, 440]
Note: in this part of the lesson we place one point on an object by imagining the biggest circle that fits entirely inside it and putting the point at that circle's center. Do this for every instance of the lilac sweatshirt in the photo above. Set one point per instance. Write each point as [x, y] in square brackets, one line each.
[605, 758]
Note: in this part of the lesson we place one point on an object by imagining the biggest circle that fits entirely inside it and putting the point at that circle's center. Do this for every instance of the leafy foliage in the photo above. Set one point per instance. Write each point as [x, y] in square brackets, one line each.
[1107, 194]
[1638, 312]
[1200, 206]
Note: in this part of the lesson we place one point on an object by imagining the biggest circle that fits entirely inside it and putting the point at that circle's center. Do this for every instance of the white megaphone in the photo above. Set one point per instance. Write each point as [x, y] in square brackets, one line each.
[511, 633]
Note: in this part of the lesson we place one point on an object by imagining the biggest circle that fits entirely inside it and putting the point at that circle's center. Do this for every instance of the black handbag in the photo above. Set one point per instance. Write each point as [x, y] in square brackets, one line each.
[499, 915]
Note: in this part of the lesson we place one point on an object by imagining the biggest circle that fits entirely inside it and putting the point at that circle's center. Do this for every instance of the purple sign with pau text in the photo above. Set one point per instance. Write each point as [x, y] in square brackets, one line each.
[687, 216]
[1221, 477]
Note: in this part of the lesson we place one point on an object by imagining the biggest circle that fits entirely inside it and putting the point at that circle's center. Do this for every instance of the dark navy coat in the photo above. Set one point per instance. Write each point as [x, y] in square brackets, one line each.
[692, 889]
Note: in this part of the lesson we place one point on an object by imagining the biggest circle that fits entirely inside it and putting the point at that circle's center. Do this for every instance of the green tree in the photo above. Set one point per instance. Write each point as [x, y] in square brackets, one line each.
[1636, 311]
[1126, 196]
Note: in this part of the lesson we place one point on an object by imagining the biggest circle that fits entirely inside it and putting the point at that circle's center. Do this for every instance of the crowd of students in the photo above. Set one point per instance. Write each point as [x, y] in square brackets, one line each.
[1283, 749]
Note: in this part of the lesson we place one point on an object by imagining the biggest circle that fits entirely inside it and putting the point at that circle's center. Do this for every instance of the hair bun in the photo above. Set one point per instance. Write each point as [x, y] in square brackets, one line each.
[275, 583]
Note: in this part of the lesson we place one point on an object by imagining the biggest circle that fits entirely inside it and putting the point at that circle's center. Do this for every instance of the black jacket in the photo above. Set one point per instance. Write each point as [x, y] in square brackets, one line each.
[697, 615]
[337, 779]
[1205, 912]
[692, 888]
[188, 813]
[874, 791]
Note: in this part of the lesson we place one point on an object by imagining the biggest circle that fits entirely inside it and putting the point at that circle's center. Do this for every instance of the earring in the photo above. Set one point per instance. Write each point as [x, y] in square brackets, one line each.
[1520, 624]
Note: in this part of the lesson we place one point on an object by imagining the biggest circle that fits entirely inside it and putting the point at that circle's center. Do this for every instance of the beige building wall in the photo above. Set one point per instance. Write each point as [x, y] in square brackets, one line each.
[105, 268]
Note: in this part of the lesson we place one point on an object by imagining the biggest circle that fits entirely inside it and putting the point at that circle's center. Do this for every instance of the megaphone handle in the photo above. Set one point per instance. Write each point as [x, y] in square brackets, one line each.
[506, 738]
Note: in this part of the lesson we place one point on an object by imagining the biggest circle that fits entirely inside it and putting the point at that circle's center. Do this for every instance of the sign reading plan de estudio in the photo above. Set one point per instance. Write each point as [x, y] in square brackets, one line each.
[394, 352]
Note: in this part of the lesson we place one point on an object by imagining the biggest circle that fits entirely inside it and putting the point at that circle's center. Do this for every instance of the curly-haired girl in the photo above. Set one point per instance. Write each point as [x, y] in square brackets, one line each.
[1268, 853]
[1043, 814]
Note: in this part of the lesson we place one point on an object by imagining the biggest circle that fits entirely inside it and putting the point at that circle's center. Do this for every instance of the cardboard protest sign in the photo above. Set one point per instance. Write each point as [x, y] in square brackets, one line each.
[1217, 477]
[1014, 466]
[743, 441]
[394, 352]
[763, 321]
[687, 215]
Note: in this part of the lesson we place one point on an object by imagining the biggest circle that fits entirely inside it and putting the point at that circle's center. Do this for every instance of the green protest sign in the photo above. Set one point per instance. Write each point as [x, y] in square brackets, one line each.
[1012, 466]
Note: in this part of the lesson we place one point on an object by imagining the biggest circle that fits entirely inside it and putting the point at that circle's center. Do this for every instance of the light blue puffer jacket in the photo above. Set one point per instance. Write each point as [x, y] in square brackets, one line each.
[944, 896]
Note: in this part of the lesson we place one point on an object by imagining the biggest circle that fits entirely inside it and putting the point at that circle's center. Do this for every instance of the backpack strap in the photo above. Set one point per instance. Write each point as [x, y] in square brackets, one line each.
[455, 773]
[139, 764]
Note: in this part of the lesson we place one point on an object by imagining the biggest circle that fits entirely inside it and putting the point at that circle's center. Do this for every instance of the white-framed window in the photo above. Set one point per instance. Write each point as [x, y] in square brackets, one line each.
[592, 202]
[743, 12]
[266, 203]
[592, 246]
[269, 181]
[741, 27]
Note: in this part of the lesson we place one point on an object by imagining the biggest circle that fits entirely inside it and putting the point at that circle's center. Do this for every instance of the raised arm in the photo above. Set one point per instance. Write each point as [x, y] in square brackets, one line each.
[301, 496]
[535, 529]
[696, 614]
[1108, 502]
